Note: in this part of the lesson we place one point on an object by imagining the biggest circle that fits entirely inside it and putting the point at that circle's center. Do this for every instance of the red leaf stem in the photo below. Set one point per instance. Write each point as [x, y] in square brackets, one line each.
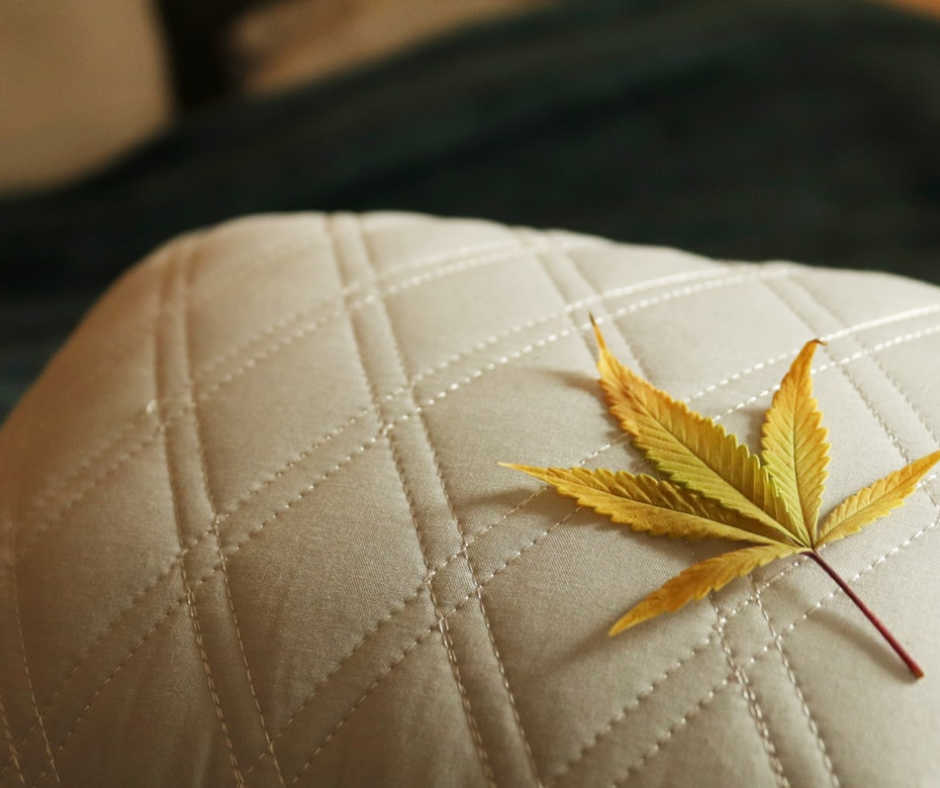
[892, 641]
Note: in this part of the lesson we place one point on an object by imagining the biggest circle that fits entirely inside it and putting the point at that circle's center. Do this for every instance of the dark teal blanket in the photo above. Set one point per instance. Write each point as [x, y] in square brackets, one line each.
[750, 130]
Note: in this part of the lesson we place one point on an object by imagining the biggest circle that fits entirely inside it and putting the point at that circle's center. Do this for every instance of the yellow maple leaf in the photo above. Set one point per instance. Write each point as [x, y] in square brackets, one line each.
[717, 488]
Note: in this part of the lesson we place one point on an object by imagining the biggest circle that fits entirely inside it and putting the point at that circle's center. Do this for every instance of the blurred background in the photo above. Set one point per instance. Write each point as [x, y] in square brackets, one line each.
[742, 129]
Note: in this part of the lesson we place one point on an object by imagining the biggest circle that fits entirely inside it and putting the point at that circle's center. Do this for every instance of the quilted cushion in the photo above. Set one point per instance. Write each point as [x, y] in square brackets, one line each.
[253, 530]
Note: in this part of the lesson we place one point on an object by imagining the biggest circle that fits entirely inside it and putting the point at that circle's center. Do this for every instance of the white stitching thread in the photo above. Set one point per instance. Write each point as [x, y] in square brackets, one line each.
[890, 343]
[867, 351]
[421, 262]
[309, 488]
[747, 690]
[342, 661]
[804, 706]
[750, 698]
[424, 635]
[180, 601]
[830, 337]
[904, 338]
[266, 256]
[642, 304]
[190, 386]
[777, 640]
[8, 733]
[661, 742]
[177, 516]
[266, 351]
[416, 521]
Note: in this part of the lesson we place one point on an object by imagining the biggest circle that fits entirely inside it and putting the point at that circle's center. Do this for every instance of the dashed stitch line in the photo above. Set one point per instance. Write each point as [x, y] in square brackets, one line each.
[910, 337]
[762, 652]
[747, 691]
[750, 698]
[172, 476]
[898, 340]
[667, 737]
[267, 255]
[300, 457]
[29, 684]
[416, 521]
[8, 733]
[702, 644]
[513, 251]
[204, 474]
[430, 575]
[804, 706]
[266, 351]
[362, 699]
[904, 338]
[427, 373]
[181, 600]
[424, 635]
[535, 494]
[856, 328]
[318, 687]
[777, 641]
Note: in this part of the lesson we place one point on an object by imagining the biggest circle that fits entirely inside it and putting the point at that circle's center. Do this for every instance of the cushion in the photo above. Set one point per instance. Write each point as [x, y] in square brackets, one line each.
[254, 531]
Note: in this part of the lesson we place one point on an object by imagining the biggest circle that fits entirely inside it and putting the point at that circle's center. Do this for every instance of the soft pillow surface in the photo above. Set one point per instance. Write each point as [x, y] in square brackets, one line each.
[253, 530]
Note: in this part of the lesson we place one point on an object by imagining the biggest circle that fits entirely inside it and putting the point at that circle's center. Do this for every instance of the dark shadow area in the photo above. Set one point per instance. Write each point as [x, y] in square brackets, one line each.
[742, 130]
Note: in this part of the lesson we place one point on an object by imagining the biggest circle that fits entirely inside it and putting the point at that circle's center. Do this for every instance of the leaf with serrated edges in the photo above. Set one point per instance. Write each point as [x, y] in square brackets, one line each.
[690, 449]
[700, 579]
[875, 501]
[794, 447]
[647, 504]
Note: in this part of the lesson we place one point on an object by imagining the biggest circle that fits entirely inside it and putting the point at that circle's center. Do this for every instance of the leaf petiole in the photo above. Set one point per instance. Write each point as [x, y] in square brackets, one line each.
[892, 641]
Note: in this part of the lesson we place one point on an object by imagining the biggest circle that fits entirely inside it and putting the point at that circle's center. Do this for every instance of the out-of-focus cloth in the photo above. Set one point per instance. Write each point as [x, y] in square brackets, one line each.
[753, 130]
[80, 81]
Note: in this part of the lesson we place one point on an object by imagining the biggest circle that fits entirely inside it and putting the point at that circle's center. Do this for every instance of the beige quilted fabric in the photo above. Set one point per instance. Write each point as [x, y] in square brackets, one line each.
[254, 533]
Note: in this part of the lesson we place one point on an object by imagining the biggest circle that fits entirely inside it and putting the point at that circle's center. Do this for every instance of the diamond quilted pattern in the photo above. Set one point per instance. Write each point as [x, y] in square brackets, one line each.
[253, 531]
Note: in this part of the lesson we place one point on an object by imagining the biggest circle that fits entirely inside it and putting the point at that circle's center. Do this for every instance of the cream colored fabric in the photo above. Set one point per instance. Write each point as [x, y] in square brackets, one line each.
[254, 533]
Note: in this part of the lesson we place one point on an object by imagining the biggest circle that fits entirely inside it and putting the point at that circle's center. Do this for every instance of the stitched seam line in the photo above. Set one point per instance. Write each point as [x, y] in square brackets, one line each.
[778, 641]
[750, 697]
[370, 257]
[898, 340]
[272, 253]
[29, 684]
[8, 733]
[605, 730]
[787, 630]
[848, 331]
[872, 355]
[747, 690]
[172, 476]
[339, 665]
[425, 635]
[442, 623]
[551, 338]
[268, 348]
[912, 336]
[876, 348]
[660, 743]
[445, 633]
[190, 386]
[804, 706]
[178, 604]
